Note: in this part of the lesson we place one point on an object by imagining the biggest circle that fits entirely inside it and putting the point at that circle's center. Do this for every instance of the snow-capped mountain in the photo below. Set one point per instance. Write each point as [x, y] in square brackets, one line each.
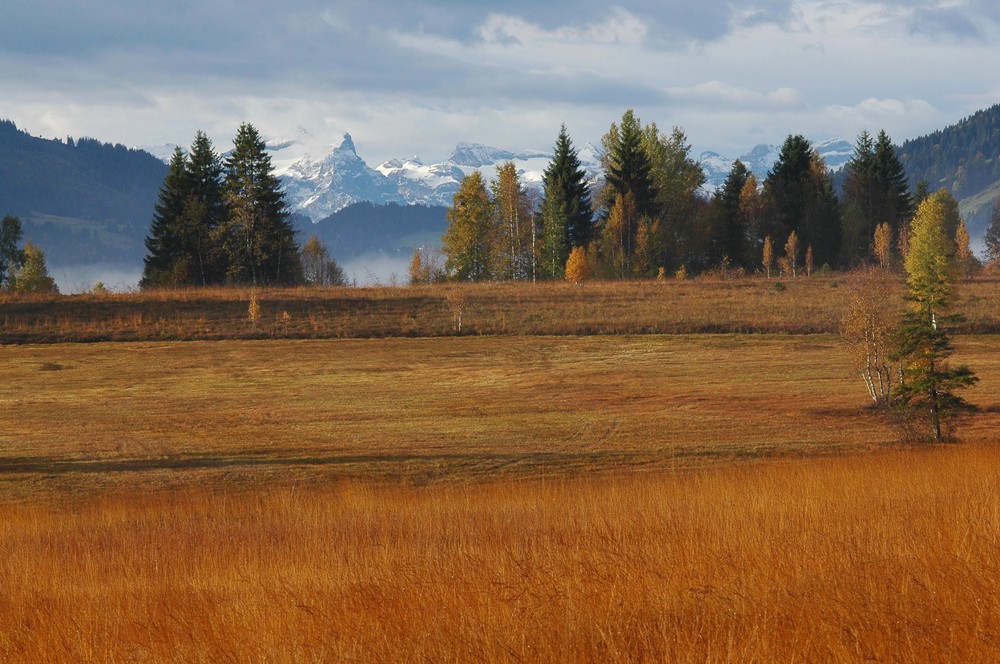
[436, 184]
[762, 158]
[320, 188]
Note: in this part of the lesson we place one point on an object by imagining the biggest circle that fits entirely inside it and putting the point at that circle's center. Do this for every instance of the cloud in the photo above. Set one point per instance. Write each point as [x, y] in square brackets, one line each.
[719, 95]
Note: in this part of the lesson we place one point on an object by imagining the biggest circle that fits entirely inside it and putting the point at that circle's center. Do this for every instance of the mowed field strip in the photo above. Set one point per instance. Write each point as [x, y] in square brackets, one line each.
[417, 410]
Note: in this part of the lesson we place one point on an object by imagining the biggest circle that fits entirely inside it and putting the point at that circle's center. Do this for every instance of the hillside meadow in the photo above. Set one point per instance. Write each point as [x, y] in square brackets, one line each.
[599, 498]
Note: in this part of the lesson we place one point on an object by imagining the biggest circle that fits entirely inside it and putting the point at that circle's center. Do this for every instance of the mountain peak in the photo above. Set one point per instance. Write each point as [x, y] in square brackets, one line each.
[475, 155]
[347, 144]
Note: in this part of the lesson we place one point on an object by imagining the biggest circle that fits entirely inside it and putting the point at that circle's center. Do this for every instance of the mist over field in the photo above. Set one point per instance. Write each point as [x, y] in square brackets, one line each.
[82, 278]
[377, 269]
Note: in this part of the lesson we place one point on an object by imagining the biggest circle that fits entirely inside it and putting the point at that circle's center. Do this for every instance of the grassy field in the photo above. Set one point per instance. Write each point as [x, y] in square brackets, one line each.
[705, 305]
[603, 498]
[415, 410]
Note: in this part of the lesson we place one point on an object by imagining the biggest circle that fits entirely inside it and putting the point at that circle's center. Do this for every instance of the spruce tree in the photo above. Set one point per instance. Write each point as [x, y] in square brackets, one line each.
[567, 216]
[731, 223]
[11, 256]
[205, 211]
[164, 244]
[859, 198]
[257, 237]
[895, 200]
[799, 196]
[627, 168]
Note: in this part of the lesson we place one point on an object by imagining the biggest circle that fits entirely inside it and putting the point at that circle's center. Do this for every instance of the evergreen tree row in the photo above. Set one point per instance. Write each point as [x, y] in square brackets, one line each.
[651, 218]
[221, 221]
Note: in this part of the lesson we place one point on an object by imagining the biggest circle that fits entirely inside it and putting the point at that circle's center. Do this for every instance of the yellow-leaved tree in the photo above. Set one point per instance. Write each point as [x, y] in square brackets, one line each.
[577, 266]
[467, 240]
[929, 381]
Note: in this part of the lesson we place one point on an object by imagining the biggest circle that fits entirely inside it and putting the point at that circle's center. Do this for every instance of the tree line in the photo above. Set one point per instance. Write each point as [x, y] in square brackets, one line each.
[649, 217]
[227, 222]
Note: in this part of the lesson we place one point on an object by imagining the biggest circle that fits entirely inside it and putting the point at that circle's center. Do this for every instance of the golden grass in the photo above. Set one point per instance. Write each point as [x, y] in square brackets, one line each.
[415, 410]
[663, 498]
[889, 557]
[705, 305]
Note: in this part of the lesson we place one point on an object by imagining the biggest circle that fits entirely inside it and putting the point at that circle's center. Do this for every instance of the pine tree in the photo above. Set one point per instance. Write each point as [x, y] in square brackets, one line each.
[11, 256]
[895, 200]
[731, 229]
[204, 212]
[567, 216]
[799, 196]
[627, 168]
[859, 197]
[164, 245]
[466, 241]
[258, 239]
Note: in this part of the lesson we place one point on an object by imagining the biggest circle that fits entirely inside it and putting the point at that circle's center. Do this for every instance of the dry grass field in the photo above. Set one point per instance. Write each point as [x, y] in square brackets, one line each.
[608, 498]
[704, 305]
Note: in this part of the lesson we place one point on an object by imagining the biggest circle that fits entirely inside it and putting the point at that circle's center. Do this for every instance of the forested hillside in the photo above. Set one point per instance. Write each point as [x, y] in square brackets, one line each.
[365, 228]
[83, 201]
[964, 159]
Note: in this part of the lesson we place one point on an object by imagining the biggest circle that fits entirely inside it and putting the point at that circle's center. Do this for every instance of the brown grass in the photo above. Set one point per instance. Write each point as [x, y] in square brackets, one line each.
[757, 305]
[420, 410]
[662, 498]
[891, 557]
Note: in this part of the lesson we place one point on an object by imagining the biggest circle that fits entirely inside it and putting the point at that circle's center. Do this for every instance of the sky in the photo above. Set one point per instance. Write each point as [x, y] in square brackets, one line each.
[410, 78]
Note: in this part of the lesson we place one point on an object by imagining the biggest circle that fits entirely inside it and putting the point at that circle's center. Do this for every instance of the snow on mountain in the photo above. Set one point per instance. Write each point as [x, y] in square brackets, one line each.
[762, 158]
[320, 188]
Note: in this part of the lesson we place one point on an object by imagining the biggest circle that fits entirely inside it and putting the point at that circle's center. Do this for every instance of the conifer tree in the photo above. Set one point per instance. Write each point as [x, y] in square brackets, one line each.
[627, 169]
[204, 211]
[164, 245]
[11, 256]
[895, 199]
[800, 198]
[732, 220]
[257, 237]
[466, 241]
[567, 215]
